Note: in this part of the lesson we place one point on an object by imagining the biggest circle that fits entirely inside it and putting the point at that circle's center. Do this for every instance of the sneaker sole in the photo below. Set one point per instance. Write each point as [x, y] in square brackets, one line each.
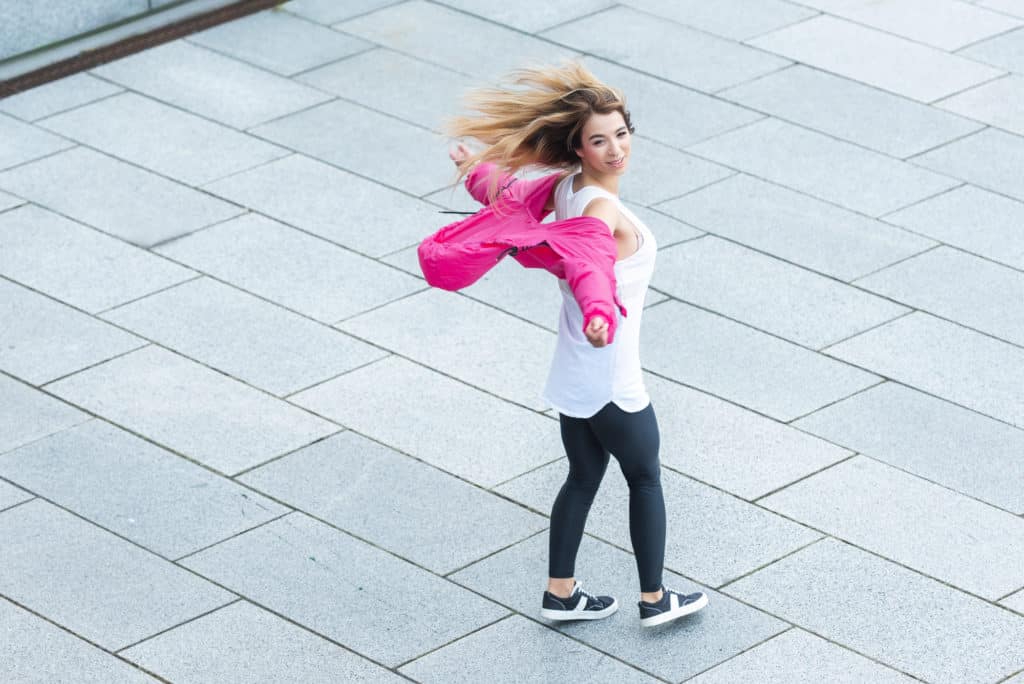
[676, 614]
[564, 615]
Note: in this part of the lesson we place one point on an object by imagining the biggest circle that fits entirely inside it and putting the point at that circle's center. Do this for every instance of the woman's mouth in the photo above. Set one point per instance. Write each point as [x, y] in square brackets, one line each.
[618, 163]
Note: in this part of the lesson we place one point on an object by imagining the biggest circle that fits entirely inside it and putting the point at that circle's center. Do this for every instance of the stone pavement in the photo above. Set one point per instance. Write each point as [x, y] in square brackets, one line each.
[242, 440]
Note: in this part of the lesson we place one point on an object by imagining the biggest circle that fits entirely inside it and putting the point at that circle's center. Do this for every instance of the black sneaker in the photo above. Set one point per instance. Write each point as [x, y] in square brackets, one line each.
[671, 606]
[579, 606]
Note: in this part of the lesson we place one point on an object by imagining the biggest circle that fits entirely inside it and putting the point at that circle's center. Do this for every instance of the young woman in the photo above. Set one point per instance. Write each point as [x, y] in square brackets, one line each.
[566, 119]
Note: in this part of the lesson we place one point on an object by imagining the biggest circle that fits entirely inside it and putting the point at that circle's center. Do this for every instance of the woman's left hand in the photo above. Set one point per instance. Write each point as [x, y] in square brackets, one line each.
[597, 331]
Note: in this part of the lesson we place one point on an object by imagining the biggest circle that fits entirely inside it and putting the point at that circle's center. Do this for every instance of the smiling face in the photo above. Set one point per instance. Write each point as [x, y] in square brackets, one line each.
[604, 144]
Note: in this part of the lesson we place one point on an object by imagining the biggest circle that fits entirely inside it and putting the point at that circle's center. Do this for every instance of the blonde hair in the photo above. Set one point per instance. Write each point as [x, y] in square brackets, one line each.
[541, 122]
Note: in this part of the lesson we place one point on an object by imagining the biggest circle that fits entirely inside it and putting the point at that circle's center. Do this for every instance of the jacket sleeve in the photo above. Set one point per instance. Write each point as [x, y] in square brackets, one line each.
[478, 181]
[593, 285]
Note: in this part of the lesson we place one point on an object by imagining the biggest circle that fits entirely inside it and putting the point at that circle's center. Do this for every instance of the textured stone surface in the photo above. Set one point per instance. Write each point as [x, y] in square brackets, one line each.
[11, 495]
[331, 11]
[990, 159]
[23, 142]
[666, 173]
[734, 19]
[530, 15]
[26, 26]
[9, 201]
[1005, 51]
[26, 414]
[57, 96]
[997, 103]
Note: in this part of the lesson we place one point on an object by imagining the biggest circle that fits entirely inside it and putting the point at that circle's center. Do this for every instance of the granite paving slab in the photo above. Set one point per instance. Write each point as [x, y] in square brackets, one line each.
[997, 103]
[78, 265]
[33, 650]
[443, 422]
[368, 143]
[530, 16]
[943, 534]
[729, 447]
[52, 340]
[9, 201]
[734, 19]
[21, 142]
[57, 96]
[339, 587]
[944, 359]
[972, 219]
[279, 41]
[336, 205]
[664, 172]
[135, 489]
[680, 54]
[331, 11]
[339, 480]
[93, 583]
[12, 496]
[964, 288]
[1005, 51]
[990, 159]
[211, 85]
[291, 268]
[242, 643]
[823, 167]
[518, 650]
[733, 536]
[193, 410]
[162, 138]
[851, 111]
[524, 292]
[117, 198]
[795, 227]
[768, 294]
[742, 365]
[516, 578]
[243, 336]
[931, 438]
[667, 230]
[26, 414]
[916, 625]
[876, 58]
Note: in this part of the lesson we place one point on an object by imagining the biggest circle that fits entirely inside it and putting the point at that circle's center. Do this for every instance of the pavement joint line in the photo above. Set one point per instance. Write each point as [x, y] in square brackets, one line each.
[111, 309]
[1007, 73]
[884, 218]
[792, 422]
[20, 503]
[268, 162]
[449, 574]
[288, 397]
[278, 457]
[911, 159]
[788, 628]
[654, 206]
[586, 15]
[40, 158]
[1003, 598]
[910, 311]
[986, 38]
[51, 115]
[11, 208]
[45, 385]
[525, 473]
[853, 283]
[807, 476]
[355, 15]
[180, 624]
[288, 510]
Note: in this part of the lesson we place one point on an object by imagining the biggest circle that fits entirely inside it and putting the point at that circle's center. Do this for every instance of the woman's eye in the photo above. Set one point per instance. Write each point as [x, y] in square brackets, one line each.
[622, 134]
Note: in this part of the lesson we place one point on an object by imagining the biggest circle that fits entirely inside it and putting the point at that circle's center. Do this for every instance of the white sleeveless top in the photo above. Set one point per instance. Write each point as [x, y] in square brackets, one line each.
[584, 378]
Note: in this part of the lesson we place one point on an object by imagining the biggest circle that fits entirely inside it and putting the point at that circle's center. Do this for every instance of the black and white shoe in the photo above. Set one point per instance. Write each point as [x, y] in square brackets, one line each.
[579, 606]
[671, 606]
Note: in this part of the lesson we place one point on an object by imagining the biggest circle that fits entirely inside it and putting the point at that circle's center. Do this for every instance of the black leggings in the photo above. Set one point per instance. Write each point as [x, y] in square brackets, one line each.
[633, 438]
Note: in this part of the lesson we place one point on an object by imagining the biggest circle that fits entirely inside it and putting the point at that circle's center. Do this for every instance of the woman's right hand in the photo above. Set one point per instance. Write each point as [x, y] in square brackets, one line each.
[460, 154]
[597, 331]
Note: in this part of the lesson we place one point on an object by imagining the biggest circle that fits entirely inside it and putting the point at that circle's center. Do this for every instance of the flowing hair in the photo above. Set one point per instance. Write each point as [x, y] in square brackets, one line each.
[538, 123]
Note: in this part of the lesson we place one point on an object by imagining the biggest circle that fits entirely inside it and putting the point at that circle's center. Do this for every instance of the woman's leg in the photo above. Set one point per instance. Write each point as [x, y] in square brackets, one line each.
[587, 463]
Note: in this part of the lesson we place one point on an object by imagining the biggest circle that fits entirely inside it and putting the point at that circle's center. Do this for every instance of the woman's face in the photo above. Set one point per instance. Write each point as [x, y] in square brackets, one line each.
[604, 144]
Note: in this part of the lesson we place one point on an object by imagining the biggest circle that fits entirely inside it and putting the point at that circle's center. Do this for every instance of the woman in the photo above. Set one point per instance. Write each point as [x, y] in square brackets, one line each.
[566, 119]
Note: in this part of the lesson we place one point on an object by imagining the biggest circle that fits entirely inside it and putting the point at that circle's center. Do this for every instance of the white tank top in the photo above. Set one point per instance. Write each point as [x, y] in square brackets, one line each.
[584, 378]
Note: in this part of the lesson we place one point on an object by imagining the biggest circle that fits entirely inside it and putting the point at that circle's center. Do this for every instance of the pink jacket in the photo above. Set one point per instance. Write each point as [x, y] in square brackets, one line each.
[581, 250]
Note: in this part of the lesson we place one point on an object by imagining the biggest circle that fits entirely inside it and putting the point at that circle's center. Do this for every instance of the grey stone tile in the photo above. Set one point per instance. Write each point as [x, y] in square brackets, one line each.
[331, 11]
[667, 230]
[1011, 7]
[518, 650]
[823, 167]
[915, 624]
[334, 204]
[1015, 602]
[516, 577]
[880, 59]
[729, 447]
[12, 496]
[9, 201]
[972, 219]
[734, 19]
[135, 489]
[26, 414]
[78, 265]
[211, 85]
[768, 294]
[524, 292]
[51, 340]
[929, 437]
[33, 650]
[798, 656]
[95, 584]
[293, 269]
[21, 142]
[241, 643]
[679, 53]
[57, 96]
[164, 139]
[243, 336]
[990, 159]
[193, 410]
[944, 359]
[795, 227]
[465, 339]
[1005, 51]
[734, 537]
[928, 528]
[662, 172]
[339, 480]
[454, 197]
[442, 422]
[960, 287]
[115, 197]
[851, 111]
[530, 16]
[332, 583]
[453, 39]
[279, 41]
[997, 103]
[742, 365]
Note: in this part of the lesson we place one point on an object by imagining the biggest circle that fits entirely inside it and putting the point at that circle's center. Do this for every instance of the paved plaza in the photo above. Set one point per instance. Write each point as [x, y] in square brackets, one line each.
[242, 440]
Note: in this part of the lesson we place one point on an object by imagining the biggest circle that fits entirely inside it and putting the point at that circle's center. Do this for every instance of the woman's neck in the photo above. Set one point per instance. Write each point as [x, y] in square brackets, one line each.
[607, 181]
